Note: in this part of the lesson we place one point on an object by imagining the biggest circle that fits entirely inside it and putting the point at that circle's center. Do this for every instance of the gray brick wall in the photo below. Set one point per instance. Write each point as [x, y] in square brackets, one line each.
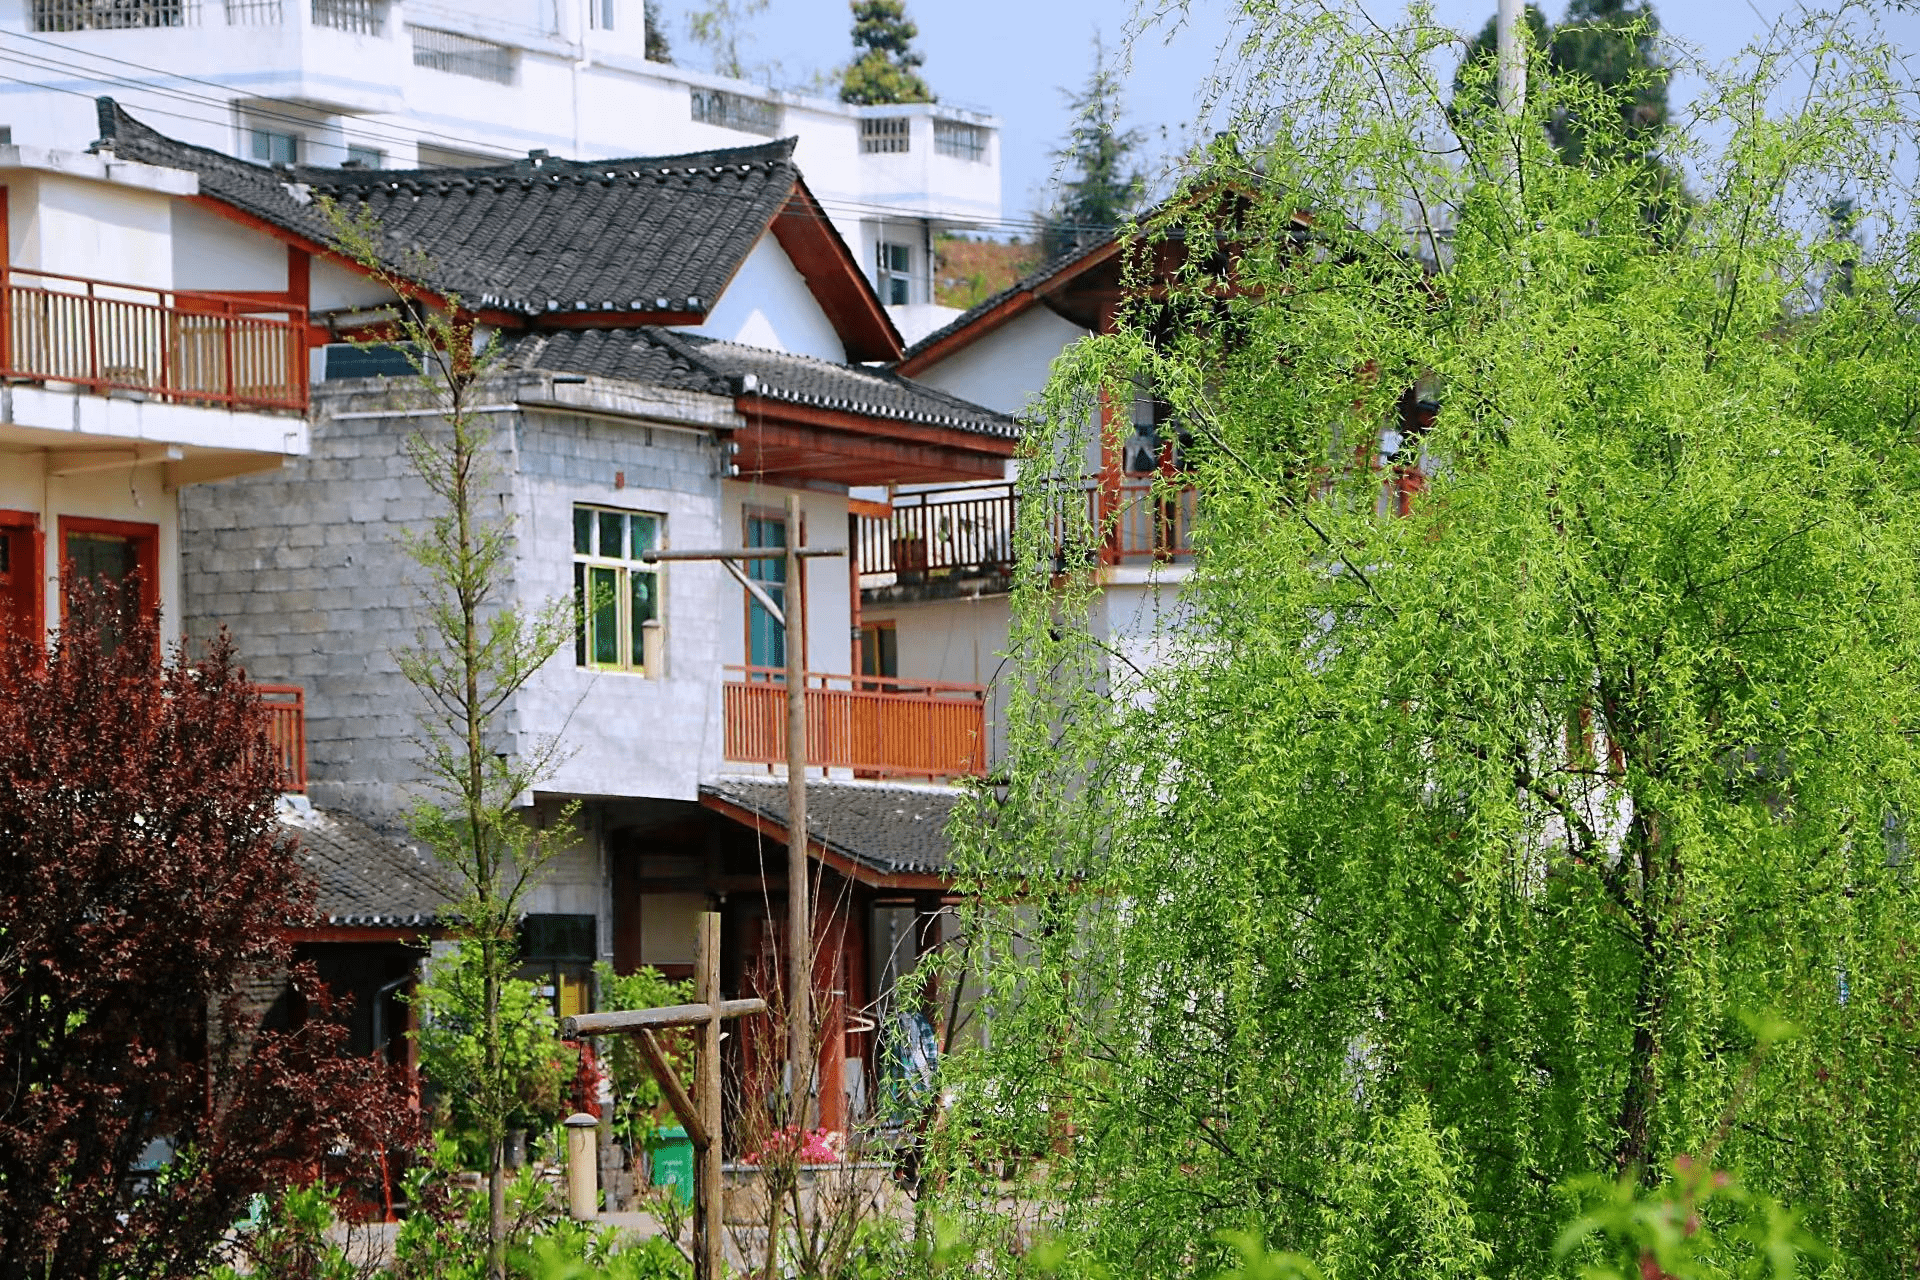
[306, 568]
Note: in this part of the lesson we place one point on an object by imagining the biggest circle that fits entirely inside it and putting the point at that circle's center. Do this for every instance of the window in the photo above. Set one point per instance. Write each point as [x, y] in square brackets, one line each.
[21, 593]
[961, 141]
[362, 17]
[459, 55]
[603, 13]
[269, 146]
[91, 15]
[894, 279]
[366, 157]
[879, 650]
[616, 597]
[766, 638]
[558, 953]
[735, 111]
[106, 555]
[885, 135]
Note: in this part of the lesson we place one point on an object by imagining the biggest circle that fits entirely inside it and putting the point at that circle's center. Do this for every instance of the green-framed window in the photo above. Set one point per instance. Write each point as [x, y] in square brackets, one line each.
[616, 597]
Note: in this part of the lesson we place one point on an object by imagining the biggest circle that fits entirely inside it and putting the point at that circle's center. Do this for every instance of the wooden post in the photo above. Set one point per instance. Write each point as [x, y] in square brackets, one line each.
[583, 1167]
[702, 1116]
[799, 916]
[711, 1219]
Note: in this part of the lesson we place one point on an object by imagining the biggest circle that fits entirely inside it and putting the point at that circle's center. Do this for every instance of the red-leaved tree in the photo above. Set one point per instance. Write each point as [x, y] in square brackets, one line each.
[145, 886]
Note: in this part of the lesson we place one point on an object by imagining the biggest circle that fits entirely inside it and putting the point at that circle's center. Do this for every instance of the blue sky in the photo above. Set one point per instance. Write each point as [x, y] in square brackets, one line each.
[1014, 57]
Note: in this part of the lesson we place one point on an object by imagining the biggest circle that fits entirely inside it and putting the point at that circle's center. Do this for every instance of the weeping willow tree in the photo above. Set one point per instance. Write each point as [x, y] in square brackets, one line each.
[1464, 840]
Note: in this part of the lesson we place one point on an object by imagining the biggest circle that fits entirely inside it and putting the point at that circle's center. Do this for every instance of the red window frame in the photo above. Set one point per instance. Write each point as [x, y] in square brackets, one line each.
[23, 593]
[146, 550]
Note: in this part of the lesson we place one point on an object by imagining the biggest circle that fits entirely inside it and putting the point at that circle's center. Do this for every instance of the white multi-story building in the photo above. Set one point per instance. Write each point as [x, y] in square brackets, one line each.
[124, 378]
[403, 84]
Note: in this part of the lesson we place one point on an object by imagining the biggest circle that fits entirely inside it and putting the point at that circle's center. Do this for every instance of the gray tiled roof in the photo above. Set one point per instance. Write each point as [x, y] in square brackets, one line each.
[364, 877]
[894, 828]
[687, 362]
[651, 233]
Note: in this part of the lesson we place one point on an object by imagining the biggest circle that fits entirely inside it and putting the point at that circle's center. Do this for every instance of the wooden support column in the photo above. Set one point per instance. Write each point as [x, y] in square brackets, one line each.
[707, 1174]
[703, 1114]
[830, 993]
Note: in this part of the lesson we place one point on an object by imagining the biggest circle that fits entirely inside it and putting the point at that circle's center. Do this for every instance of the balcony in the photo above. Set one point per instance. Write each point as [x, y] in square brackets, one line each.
[967, 532]
[165, 344]
[286, 709]
[872, 725]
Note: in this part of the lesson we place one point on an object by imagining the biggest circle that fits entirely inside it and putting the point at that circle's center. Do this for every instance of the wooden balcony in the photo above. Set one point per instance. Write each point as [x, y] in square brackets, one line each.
[286, 709]
[968, 531]
[169, 344]
[871, 725]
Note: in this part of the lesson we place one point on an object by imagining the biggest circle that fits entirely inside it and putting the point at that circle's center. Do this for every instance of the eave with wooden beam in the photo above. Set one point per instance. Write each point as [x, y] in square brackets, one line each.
[782, 442]
[853, 869]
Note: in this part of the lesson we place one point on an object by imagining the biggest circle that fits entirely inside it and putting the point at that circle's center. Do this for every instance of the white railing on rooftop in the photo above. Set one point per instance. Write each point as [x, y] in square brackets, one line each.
[113, 15]
[361, 17]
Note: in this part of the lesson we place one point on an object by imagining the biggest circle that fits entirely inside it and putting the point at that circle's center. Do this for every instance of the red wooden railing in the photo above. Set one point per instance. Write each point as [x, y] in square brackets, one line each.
[206, 348]
[286, 708]
[870, 724]
[943, 532]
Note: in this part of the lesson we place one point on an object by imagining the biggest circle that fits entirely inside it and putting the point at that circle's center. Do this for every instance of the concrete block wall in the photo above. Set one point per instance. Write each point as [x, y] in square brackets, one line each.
[626, 734]
[306, 569]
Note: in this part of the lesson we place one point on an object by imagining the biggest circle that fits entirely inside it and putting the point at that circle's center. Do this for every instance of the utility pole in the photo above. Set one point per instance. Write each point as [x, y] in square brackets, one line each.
[791, 616]
[1512, 89]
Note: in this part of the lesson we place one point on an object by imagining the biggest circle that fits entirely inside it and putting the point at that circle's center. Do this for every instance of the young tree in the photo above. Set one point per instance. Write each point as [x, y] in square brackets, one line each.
[145, 884]
[719, 27]
[1458, 851]
[478, 647]
[1107, 185]
[658, 50]
[885, 66]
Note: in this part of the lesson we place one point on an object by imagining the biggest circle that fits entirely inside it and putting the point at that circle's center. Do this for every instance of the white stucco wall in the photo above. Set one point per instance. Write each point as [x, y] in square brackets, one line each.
[768, 304]
[221, 256]
[829, 598]
[335, 288]
[134, 493]
[1007, 369]
[101, 230]
[960, 641]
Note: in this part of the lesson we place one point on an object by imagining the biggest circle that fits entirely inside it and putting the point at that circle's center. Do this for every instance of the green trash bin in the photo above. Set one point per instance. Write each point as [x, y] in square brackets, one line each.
[670, 1152]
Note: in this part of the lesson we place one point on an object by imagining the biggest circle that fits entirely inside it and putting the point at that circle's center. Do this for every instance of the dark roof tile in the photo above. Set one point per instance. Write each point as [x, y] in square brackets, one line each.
[688, 362]
[891, 827]
[363, 876]
[529, 236]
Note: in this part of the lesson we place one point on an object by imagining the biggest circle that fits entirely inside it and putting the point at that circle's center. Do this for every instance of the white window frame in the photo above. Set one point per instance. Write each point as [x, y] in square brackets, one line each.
[886, 274]
[259, 134]
[637, 652]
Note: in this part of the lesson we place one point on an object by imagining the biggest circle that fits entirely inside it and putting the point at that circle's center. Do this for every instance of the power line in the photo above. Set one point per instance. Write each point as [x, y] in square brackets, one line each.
[391, 134]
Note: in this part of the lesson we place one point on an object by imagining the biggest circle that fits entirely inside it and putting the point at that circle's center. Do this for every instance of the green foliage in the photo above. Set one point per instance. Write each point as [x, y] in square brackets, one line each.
[885, 63]
[1613, 47]
[1439, 857]
[657, 48]
[1701, 1225]
[1106, 185]
[637, 1095]
[720, 27]
[537, 1065]
[291, 1237]
[577, 1251]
